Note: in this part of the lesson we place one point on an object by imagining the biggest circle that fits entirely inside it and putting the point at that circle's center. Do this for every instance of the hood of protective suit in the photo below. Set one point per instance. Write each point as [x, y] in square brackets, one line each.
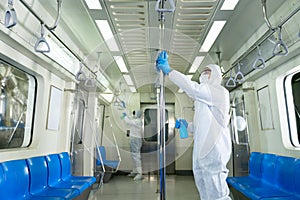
[215, 76]
[138, 114]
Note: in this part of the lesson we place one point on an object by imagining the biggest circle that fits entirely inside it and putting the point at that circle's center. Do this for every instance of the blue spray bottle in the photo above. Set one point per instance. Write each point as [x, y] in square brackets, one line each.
[183, 130]
[182, 125]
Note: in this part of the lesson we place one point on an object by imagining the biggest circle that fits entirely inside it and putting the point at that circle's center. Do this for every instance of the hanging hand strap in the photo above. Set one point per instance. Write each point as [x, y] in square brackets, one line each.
[239, 77]
[10, 19]
[280, 48]
[80, 76]
[258, 59]
[230, 82]
[41, 44]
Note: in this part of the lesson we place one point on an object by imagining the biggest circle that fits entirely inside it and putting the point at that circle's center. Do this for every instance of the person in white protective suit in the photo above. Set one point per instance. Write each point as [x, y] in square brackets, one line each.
[136, 133]
[212, 143]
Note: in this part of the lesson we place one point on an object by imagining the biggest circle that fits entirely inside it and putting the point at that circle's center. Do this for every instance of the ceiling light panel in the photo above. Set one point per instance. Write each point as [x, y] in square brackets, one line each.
[107, 34]
[197, 62]
[128, 79]
[93, 4]
[229, 4]
[212, 35]
[121, 64]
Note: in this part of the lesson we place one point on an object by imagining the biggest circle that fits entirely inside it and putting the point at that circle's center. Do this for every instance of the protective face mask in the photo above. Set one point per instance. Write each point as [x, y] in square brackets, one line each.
[204, 78]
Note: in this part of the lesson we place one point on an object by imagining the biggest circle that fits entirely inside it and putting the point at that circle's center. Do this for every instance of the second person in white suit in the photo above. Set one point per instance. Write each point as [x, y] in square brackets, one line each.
[135, 125]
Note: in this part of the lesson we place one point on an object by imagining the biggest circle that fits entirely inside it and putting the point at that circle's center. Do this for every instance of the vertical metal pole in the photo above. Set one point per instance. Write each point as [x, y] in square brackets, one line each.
[161, 103]
[161, 112]
[163, 140]
[158, 136]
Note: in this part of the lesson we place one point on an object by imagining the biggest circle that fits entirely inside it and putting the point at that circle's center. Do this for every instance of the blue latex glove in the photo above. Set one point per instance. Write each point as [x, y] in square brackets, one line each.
[123, 115]
[162, 63]
[182, 125]
[177, 123]
[180, 122]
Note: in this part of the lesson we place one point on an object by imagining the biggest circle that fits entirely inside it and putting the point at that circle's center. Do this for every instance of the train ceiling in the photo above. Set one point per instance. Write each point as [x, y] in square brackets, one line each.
[137, 37]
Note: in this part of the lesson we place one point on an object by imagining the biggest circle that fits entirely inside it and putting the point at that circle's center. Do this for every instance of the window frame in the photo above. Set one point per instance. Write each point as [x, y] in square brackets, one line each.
[29, 124]
[289, 103]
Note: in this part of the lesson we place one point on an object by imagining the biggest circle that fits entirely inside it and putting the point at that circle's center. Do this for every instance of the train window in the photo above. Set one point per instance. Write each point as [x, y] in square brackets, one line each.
[17, 97]
[292, 97]
[150, 125]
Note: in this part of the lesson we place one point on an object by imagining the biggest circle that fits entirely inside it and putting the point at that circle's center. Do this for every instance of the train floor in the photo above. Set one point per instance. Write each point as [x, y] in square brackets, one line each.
[125, 188]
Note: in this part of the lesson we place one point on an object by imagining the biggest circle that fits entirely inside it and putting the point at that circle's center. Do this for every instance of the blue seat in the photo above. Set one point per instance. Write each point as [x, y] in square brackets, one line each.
[287, 176]
[14, 182]
[297, 179]
[2, 178]
[254, 173]
[284, 173]
[276, 179]
[110, 163]
[66, 171]
[283, 198]
[38, 174]
[255, 164]
[54, 179]
[14, 173]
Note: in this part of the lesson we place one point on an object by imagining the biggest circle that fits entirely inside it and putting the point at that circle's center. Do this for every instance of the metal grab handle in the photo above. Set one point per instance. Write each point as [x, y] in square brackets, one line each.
[10, 19]
[230, 82]
[80, 76]
[277, 46]
[41, 42]
[264, 9]
[172, 9]
[239, 77]
[280, 43]
[259, 59]
[57, 17]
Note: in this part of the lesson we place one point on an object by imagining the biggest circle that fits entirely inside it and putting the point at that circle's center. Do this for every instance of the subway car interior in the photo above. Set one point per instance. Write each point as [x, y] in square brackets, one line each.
[81, 78]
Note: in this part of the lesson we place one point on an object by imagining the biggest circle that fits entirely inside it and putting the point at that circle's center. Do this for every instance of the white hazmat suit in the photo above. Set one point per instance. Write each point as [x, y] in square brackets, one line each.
[136, 133]
[212, 143]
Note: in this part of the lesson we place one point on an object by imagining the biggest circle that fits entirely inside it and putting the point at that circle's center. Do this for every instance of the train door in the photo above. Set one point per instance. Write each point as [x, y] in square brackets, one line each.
[78, 118]
[239, 135]
[100, 113]
[87, 119]
[150, 148]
